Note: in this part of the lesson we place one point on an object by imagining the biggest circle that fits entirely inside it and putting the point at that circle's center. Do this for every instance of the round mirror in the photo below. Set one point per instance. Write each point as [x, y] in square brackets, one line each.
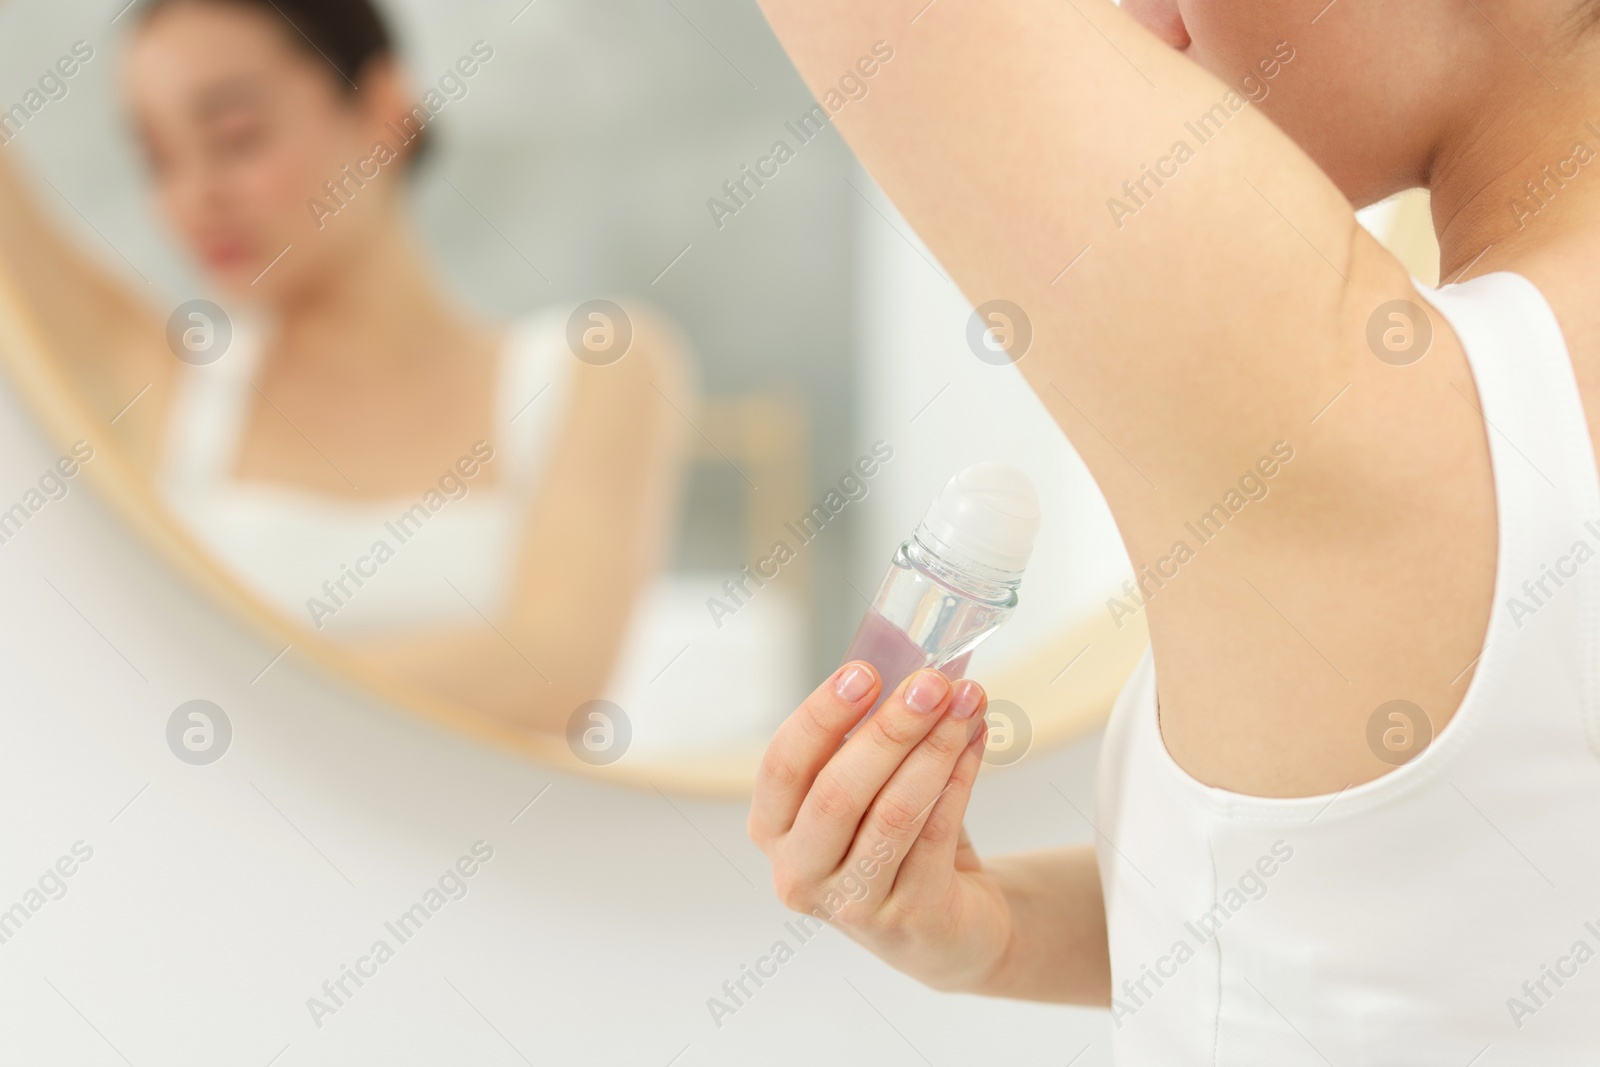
[537, 367]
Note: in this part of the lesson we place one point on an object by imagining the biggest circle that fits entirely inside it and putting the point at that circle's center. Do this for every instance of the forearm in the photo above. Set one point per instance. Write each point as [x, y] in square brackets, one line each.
[63, 285]
[1057, 951]
[108, 344]
[602, 521]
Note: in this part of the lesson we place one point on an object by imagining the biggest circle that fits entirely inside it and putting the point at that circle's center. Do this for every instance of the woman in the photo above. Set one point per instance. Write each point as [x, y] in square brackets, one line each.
[1359, 828]
[471, 506]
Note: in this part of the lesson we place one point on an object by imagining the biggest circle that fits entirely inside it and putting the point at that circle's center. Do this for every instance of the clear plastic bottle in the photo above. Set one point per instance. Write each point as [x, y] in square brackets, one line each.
[955, 581]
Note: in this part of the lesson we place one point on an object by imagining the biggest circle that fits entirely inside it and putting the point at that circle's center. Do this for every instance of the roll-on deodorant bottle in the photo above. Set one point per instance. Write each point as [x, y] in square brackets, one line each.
[955, 581]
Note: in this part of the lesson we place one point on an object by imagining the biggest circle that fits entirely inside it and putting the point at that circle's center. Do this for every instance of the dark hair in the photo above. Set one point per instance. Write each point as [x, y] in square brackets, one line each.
[347, 34]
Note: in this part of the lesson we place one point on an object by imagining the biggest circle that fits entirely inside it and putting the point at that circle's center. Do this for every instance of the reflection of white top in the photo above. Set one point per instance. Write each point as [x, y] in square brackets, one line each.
[1449, 911]
[407, 552]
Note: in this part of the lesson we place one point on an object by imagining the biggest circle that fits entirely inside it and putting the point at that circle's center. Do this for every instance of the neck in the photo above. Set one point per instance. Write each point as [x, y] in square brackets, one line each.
[379, 308]
[1522, 173]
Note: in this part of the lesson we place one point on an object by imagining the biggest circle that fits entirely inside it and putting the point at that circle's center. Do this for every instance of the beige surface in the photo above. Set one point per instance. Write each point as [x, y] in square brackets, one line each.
[1410, 236]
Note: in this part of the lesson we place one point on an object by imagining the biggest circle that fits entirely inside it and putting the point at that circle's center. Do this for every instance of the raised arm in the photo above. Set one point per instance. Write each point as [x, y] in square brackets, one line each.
[107, 340]
[1193, 280]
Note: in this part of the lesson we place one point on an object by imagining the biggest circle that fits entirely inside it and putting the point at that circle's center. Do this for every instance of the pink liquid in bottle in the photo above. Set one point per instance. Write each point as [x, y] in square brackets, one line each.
[954, 581]
[884, 645]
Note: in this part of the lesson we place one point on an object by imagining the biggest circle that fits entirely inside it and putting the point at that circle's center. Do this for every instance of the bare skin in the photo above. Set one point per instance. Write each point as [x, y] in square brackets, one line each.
[375, 382]
[893, 796]
[1224, 315]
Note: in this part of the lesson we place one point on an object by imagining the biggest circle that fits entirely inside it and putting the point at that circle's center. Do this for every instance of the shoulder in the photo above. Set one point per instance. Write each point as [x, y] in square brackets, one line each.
[1563, 272]
[600, 373]
[596, 333]
[623, 352]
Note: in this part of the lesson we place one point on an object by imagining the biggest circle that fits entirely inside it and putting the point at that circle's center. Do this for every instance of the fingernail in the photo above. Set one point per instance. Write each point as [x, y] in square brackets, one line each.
[854, 683]
[926, 692]
[968, 694]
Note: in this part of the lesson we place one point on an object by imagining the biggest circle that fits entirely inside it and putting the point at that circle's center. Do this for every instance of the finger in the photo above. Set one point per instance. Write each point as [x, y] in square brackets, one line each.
[804, 744]
[831, 815]
[924, 875]
[915, 812]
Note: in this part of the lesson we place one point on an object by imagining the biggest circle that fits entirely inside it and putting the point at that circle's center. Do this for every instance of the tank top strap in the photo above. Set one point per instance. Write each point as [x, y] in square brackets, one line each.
[1547, 487]
[210, 405]
[532, 396]
[1527, 389]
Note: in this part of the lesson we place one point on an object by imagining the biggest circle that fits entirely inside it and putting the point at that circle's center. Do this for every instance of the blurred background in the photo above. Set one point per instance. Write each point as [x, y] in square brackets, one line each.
[581, 164]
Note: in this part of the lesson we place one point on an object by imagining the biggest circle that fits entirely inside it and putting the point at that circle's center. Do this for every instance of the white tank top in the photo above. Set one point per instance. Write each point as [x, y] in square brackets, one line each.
[449, 554]
[1449, 912]
[284, 543]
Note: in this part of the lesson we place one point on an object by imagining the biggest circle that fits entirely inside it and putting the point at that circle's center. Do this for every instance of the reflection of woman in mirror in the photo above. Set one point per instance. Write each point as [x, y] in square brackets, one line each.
[471, 507]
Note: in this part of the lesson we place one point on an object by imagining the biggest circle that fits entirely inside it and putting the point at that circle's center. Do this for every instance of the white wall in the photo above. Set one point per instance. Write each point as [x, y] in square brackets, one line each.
[942, 408]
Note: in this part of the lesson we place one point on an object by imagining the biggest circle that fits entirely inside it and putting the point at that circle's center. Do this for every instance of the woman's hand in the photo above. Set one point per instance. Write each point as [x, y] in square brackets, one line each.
[865, 831]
